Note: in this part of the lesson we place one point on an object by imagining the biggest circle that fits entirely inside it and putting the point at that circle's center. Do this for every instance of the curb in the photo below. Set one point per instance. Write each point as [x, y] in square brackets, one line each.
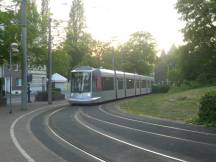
[13, 125]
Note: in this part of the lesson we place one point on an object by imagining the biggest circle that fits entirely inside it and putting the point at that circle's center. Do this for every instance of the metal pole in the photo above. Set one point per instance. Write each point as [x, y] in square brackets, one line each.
[135, 81]
[24, 48]
[10, 66]
[114, 69]
[50, 65]
[124, 73]
[43, 86]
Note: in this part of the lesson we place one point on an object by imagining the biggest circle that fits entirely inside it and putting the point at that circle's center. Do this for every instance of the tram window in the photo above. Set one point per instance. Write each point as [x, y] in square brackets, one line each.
[120, 83]
[144, 84]
[107, 83]
[137, 84]
[80, 82]
[130, 83]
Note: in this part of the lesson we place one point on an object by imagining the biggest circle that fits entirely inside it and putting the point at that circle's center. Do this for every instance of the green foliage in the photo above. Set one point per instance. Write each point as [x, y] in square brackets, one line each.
[207, 109]
[197, 65]
[160, 88]
[174, 67]
[61, 62]
[56, 91]
[139, 53]
[76, 44]
[94, 52]
[42, 94]
[183, 105]
[38, 49]
[200, 18]
[168, 67]
[197, 57]
[102, 54]
[9, 32]
[56, 95]
[2, 81]
[174, 76]
[185, 85]
[195, 61]
[44, 21]
[107, 58]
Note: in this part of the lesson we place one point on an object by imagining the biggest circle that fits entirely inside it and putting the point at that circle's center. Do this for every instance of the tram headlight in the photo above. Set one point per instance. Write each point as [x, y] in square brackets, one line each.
[89, 94]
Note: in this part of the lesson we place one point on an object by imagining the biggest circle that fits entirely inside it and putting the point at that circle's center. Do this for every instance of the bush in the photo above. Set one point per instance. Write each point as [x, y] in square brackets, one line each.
[192, 84]
[56, 90]
[43, 96]
[207, 109]
[160, 88]
[3, 100]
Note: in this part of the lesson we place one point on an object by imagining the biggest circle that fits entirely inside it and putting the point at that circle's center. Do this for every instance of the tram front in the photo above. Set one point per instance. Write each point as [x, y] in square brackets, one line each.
[81, 87]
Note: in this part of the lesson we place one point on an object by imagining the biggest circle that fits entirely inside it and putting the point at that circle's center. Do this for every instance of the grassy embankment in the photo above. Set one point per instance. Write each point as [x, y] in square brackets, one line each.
[182, 106]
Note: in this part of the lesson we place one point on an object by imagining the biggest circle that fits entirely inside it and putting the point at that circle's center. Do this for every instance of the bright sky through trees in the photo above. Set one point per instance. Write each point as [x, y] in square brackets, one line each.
[107, 19]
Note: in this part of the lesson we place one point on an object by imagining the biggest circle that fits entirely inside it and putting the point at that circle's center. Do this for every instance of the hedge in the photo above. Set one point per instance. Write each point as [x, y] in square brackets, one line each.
[160, 88]
[207, 108]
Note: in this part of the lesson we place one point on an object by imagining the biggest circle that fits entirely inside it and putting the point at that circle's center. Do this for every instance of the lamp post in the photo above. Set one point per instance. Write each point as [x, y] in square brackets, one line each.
[50, 65]
[13, 49]
[24, 50]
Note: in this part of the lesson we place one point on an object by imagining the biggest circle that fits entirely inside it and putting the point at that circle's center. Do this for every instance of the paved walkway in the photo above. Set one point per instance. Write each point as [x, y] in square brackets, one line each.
[8, 151]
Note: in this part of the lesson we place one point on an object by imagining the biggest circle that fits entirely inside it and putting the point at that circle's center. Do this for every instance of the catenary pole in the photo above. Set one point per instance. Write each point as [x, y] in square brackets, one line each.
[114, 69]
[24, 50]
[123, 62]
[10, 62]
[50, 65]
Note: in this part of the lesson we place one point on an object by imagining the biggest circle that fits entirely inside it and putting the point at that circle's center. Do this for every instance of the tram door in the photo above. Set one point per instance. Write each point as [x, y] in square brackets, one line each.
[120, 88]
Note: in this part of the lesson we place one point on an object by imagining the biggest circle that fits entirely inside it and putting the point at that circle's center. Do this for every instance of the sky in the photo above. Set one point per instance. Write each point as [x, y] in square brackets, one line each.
[109, 20]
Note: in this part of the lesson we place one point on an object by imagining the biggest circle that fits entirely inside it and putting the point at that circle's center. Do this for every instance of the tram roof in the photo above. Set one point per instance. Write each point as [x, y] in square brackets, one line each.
[109, 72]
[83, 68]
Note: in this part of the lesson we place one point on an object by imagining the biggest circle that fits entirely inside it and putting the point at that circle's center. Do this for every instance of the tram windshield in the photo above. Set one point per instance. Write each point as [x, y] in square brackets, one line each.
[80, 82]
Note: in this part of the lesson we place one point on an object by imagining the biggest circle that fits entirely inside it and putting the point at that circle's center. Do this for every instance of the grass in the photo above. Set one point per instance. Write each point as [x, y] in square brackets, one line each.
[181, 106]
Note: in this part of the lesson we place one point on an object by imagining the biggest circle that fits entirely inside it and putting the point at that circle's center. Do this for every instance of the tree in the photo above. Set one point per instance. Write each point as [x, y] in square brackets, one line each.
[39, 50]
[35, 50]
[9, 31]
[198, 55]
[107, 57]
[161, 68]
[86, 47]
[76, 41]
[44, 21]
[100, 51]
[61, 62]
[174, 66]
[139, 53]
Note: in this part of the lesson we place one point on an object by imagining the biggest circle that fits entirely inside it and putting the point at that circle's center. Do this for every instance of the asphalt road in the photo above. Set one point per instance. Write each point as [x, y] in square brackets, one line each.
[102, 133]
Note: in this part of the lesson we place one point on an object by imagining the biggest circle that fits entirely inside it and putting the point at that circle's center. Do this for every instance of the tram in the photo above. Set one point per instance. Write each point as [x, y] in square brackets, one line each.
[95, 85]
